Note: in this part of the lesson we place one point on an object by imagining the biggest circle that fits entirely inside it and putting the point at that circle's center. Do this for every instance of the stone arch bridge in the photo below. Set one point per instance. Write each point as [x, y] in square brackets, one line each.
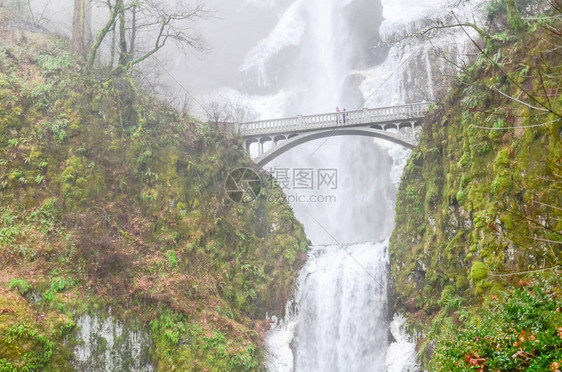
[397, 124]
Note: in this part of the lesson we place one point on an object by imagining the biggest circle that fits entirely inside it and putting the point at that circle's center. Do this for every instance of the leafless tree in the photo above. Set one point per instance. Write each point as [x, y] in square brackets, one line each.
[39, 17]
[144, 27]
[227, 110]
[217, 112]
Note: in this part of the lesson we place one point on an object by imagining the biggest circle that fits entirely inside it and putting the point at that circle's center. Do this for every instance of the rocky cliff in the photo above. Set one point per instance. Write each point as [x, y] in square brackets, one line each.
[476, 252]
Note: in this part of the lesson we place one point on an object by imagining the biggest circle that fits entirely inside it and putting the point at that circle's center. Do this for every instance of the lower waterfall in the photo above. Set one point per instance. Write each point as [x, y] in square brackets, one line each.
[338, 318]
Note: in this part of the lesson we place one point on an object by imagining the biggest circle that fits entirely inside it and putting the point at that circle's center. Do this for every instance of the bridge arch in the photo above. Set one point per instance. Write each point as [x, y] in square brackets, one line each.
[272, 138]
[279, 139]
[249, 143]
[299, 139]
[406, 125]
[391, 126]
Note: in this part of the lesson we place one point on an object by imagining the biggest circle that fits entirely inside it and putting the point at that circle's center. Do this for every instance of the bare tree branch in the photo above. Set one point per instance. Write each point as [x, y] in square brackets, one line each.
[101, 35]
[147, 26]
[521, 127]
[549, 109]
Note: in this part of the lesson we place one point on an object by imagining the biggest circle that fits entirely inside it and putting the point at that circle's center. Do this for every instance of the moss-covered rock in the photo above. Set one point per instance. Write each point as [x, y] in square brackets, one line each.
[479, 205]
[478, 271]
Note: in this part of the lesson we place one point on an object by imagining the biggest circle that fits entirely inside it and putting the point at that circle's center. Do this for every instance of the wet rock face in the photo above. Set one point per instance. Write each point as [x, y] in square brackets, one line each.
[103, 343]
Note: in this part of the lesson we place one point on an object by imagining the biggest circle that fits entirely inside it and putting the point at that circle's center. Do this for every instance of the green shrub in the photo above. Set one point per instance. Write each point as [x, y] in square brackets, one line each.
[483, 147]
[172, 258]
[518, 330]
[57, 285]
[50, 64]
[169, 328]
[46, 215]
[30, 349]
[6, 366]
[20, 284]
[48, 296]
[57, 128]
[41, 94]
[497, 134]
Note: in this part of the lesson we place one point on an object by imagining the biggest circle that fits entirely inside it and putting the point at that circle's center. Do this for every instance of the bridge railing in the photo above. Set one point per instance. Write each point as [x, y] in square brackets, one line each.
[331, 120]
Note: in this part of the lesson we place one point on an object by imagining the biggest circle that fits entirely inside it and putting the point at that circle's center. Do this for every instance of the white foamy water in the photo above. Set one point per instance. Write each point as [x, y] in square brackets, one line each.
[333, 322]
[416, 70]
[401, 355]
[288, 32]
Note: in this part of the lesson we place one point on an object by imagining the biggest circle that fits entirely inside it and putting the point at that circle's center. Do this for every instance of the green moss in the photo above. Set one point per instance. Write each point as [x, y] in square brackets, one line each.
[26, 345]
[478, 271]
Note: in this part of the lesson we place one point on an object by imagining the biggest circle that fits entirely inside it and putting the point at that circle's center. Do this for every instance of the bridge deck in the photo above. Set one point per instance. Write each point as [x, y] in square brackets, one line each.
[333, 120]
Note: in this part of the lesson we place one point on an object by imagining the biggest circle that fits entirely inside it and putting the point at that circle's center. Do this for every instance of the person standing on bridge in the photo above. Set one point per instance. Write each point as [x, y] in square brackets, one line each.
[344, 115]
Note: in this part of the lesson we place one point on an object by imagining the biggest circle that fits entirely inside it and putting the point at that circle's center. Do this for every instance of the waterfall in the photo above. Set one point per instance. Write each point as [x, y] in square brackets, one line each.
[310, 34]
[323, 54]
[421, 69]
[340, 301]
[338, 318]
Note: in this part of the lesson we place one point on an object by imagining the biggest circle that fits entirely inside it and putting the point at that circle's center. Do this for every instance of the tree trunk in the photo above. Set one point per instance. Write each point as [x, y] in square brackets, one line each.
[88, 36]
[78, 27]
[124, 56]
[132, 43]
[113, 47]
